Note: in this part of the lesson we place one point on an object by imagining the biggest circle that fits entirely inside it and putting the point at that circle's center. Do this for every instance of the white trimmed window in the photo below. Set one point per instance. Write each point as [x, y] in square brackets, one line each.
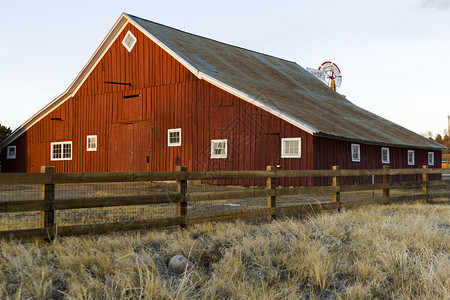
[11, 152]
[385, 155]
[61, 151]
[129, 41]
[410, 157]
[91, 143]
[219, 148]
[431, 158]
[356, 152]
[174, 137]
[291, 148]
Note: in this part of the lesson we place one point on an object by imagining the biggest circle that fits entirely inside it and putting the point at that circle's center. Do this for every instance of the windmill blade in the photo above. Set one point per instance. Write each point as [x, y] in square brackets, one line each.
[338, 81]
[331, 71]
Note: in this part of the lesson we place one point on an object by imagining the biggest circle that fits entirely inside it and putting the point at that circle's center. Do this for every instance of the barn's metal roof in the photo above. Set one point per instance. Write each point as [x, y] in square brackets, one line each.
[284, 87]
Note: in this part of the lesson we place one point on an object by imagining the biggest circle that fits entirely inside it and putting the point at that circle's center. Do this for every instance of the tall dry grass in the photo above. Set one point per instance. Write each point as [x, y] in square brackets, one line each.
[394, 251]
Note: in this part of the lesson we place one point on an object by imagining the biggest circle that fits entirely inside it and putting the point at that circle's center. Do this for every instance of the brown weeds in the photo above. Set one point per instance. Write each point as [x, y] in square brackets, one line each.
[392, 251]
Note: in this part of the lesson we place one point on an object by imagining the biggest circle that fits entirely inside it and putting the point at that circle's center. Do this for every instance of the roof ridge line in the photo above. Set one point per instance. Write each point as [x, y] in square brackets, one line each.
[213, 40]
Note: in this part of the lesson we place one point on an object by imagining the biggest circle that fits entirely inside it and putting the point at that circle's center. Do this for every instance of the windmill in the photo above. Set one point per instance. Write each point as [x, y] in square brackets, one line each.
[328, 73]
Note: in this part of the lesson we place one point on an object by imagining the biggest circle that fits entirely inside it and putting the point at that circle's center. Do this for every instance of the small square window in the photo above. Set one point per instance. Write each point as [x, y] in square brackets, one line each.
[385, 155]
[410, 157]
[61, 151]
[219, 148]
[91, 143]
[431, 158]
[356, 152]
[129, 41]
[11, 152]
[174, 137]
[291, 148]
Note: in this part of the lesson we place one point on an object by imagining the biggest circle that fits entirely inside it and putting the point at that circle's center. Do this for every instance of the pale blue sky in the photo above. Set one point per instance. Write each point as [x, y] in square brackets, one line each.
[393, 54]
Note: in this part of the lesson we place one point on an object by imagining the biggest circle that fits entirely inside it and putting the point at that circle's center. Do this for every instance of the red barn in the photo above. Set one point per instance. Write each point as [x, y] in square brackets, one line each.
[174, 98]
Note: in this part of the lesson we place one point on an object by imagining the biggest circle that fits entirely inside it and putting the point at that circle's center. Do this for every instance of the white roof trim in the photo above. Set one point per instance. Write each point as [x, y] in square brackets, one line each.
[101, 51]
[98, 54]
[164, 47]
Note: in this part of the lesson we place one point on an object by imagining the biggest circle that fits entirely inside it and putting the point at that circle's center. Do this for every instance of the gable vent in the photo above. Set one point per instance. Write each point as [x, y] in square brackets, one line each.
[129, 41]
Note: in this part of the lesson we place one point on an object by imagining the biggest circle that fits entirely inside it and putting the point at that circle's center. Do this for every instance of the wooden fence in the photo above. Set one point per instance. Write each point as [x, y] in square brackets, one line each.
[446, 164]
[47, 205]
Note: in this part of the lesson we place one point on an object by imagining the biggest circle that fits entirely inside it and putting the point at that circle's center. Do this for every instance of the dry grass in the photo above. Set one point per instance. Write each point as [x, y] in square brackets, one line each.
[393, 251]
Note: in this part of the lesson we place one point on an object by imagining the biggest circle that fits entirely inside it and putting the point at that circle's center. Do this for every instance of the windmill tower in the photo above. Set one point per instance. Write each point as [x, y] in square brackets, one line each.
[448, 129]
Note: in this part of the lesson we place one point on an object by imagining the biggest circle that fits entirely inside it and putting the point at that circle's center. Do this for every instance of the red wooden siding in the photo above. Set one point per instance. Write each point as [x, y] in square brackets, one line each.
[157, 93]
[164, 95]
[330, 152]
[17, 164]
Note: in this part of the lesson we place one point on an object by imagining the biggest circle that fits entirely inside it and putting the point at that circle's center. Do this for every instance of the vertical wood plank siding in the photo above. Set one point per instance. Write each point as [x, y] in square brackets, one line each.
[161, 94]
[330, 152]
[166, 95]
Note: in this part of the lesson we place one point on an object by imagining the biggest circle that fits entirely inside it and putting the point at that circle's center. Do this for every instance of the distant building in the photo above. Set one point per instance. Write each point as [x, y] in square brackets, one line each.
[181, 99]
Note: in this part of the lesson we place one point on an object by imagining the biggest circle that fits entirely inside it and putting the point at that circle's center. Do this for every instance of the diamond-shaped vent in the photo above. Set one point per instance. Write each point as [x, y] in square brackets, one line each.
[129, 41]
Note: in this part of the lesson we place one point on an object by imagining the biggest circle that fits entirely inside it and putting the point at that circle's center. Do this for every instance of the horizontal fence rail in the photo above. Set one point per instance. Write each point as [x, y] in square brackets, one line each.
[60, 178]
[183, 201]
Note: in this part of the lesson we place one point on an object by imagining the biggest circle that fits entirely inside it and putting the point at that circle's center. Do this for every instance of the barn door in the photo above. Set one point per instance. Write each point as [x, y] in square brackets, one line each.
[142, 137]
[271, 150]
[121, 149]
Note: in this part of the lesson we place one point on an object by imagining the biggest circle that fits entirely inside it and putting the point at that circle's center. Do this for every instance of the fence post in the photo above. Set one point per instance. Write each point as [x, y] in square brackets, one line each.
[271, 200]
[337, 182]
[148, 167]
[425, 184]
[48, 195]
[182, 190]
[386, 179]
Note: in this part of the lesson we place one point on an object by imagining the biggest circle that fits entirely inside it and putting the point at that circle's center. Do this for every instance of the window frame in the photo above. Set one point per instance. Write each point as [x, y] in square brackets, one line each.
[356, 146]
[8, 156]
[413, 158]
[87, 143]
[213, 142]
[124, 43]
[388, 160]
[62, 150]
[174, 130]
[283, 148]
[432, 158]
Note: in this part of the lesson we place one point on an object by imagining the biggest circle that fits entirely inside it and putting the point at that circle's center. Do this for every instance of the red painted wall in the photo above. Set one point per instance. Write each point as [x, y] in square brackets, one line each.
[131, 123]
[165, 95]
[331, 152]
[19, 163]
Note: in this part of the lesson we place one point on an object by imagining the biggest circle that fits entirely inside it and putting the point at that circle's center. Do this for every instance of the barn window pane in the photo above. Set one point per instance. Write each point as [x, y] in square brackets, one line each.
[129, 41]
[57, 153]
[91, 143]
[11, 152]
[67, 150]
[385, 155]
[431, 158]
[410, 157]
[61, 151]
[356, 152]
[219, 148]
[291, 147]
[174, 137]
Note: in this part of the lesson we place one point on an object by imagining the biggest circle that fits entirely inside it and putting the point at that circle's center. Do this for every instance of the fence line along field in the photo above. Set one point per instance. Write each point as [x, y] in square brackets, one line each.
[396, 251]
[48, 204]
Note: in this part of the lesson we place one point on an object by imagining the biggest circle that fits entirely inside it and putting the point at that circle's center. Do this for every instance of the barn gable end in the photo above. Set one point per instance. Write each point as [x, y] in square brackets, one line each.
[131, 99]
